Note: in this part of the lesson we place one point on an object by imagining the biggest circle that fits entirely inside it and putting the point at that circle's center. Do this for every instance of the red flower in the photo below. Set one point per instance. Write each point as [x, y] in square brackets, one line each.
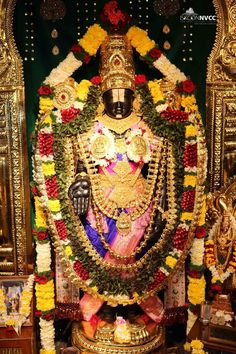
[69, 114]
[38, 313]
[48, 317]
[155, 53]
[200, 232]
[187, 202]
[188, 86]
[76, 48]
[41, 279]
[174, 115]
[190, 155]
[114, 15]
[51, 187]
[195, 274]
[80, 270]
[87, 58]
[180, 238]
[41, 236]
[35, 191]
[96, 80]
[140, 79]
[216, 287]
[61, 229]
[45, 144]
[45, 91]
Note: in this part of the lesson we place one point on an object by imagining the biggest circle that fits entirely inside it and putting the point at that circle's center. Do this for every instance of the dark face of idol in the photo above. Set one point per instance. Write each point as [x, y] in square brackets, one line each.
[118, 102]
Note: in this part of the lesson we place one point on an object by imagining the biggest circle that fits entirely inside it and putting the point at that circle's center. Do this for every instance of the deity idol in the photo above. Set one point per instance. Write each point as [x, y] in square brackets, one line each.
[119, 168]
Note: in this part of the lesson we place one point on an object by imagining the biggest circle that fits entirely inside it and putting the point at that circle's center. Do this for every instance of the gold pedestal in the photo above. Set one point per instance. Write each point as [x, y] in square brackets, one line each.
[97, 346]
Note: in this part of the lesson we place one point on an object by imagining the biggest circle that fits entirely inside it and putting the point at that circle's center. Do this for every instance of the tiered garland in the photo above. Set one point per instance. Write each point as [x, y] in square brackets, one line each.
[179, 126]
[51, 172]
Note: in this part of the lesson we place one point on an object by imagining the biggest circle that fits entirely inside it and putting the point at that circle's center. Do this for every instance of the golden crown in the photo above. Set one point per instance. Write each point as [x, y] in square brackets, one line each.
[116, 64]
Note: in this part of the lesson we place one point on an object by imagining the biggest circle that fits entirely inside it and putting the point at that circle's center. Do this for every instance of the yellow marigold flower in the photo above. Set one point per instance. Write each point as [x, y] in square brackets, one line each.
[82, 89]
[155, 90]
[40, 219]
[190, 180]
[54, 205]
[215, 279]
[48, 120]
[132, 32]
[187, 347]
[196, 290]
[186, 216]
[189, 103]
[48, 169]
[190, 131]
[171, 261]
[47, 351]
[135, 295]
[68, 251]
[94, 288]
[93, 38]
[10, 322]
[209, 242]
[196, 344]
[45, 105]
[145, 47]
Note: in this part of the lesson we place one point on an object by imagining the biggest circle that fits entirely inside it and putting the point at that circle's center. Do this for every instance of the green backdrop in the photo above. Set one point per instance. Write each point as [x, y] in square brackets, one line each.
[33, 32]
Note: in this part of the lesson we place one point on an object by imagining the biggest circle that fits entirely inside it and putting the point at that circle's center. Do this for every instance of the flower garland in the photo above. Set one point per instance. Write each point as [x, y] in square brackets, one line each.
[218, 278]
[44, 288]
[82, 262]
[17, 320]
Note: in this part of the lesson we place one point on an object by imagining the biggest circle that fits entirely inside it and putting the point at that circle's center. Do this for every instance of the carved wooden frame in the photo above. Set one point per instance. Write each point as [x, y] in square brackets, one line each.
[15, 240]
[15, 230]
[221, 93]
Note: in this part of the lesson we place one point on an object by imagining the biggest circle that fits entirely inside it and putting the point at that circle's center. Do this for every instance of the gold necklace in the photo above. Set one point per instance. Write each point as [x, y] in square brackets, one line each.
[119, 126]
[171, 220]
[147, 234]
[109, 207]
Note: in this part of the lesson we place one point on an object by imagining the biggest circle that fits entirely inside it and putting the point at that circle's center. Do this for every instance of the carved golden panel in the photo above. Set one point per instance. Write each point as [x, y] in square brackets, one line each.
[221, 96]
[15, 238]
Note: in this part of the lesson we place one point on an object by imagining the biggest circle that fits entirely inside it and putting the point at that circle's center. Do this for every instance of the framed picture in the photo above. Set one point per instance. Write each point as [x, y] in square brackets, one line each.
[12, 287]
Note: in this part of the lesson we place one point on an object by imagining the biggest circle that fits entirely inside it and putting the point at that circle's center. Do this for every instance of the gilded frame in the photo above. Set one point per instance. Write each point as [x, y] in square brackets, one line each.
[221, 95]
[15, 233]
[15, 229]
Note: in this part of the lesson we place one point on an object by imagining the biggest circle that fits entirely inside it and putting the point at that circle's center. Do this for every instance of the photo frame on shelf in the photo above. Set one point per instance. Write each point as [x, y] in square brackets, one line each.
[12, 287]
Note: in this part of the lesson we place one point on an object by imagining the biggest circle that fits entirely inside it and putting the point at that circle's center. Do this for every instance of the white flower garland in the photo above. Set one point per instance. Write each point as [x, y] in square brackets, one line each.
[169, 70]
[65, 69]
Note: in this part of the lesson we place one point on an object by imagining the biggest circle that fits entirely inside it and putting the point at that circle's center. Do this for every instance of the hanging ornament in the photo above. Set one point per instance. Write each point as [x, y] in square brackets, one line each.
[166, 8]
[55, 50]
[166, 45]
[52, 10]
[166, 29]
[54, 33]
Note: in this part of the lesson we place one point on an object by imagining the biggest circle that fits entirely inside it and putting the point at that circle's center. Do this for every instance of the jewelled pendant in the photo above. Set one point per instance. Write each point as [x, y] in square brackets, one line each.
[123, 224]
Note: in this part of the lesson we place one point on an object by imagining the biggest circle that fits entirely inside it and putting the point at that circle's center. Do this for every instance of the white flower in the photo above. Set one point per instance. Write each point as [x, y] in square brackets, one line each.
[197, 252]
[63, 70]
[43, 260]
[57, 114]
[161, 107]
[47, 334]
[79, 105]
[172, 73]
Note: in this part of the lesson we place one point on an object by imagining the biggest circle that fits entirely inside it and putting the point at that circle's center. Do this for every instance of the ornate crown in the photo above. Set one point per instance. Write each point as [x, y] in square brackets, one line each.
[116, 65]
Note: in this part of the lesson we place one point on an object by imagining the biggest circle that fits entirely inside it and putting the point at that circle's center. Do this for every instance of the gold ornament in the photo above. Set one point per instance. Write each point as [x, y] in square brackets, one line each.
[64, 95]
[139, 146]
[119, 125]
[117, 68]
[100, 147]
[123, 223]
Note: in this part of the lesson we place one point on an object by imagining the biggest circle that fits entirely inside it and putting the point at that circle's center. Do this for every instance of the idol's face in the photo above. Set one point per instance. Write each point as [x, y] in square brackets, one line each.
[118, 102]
